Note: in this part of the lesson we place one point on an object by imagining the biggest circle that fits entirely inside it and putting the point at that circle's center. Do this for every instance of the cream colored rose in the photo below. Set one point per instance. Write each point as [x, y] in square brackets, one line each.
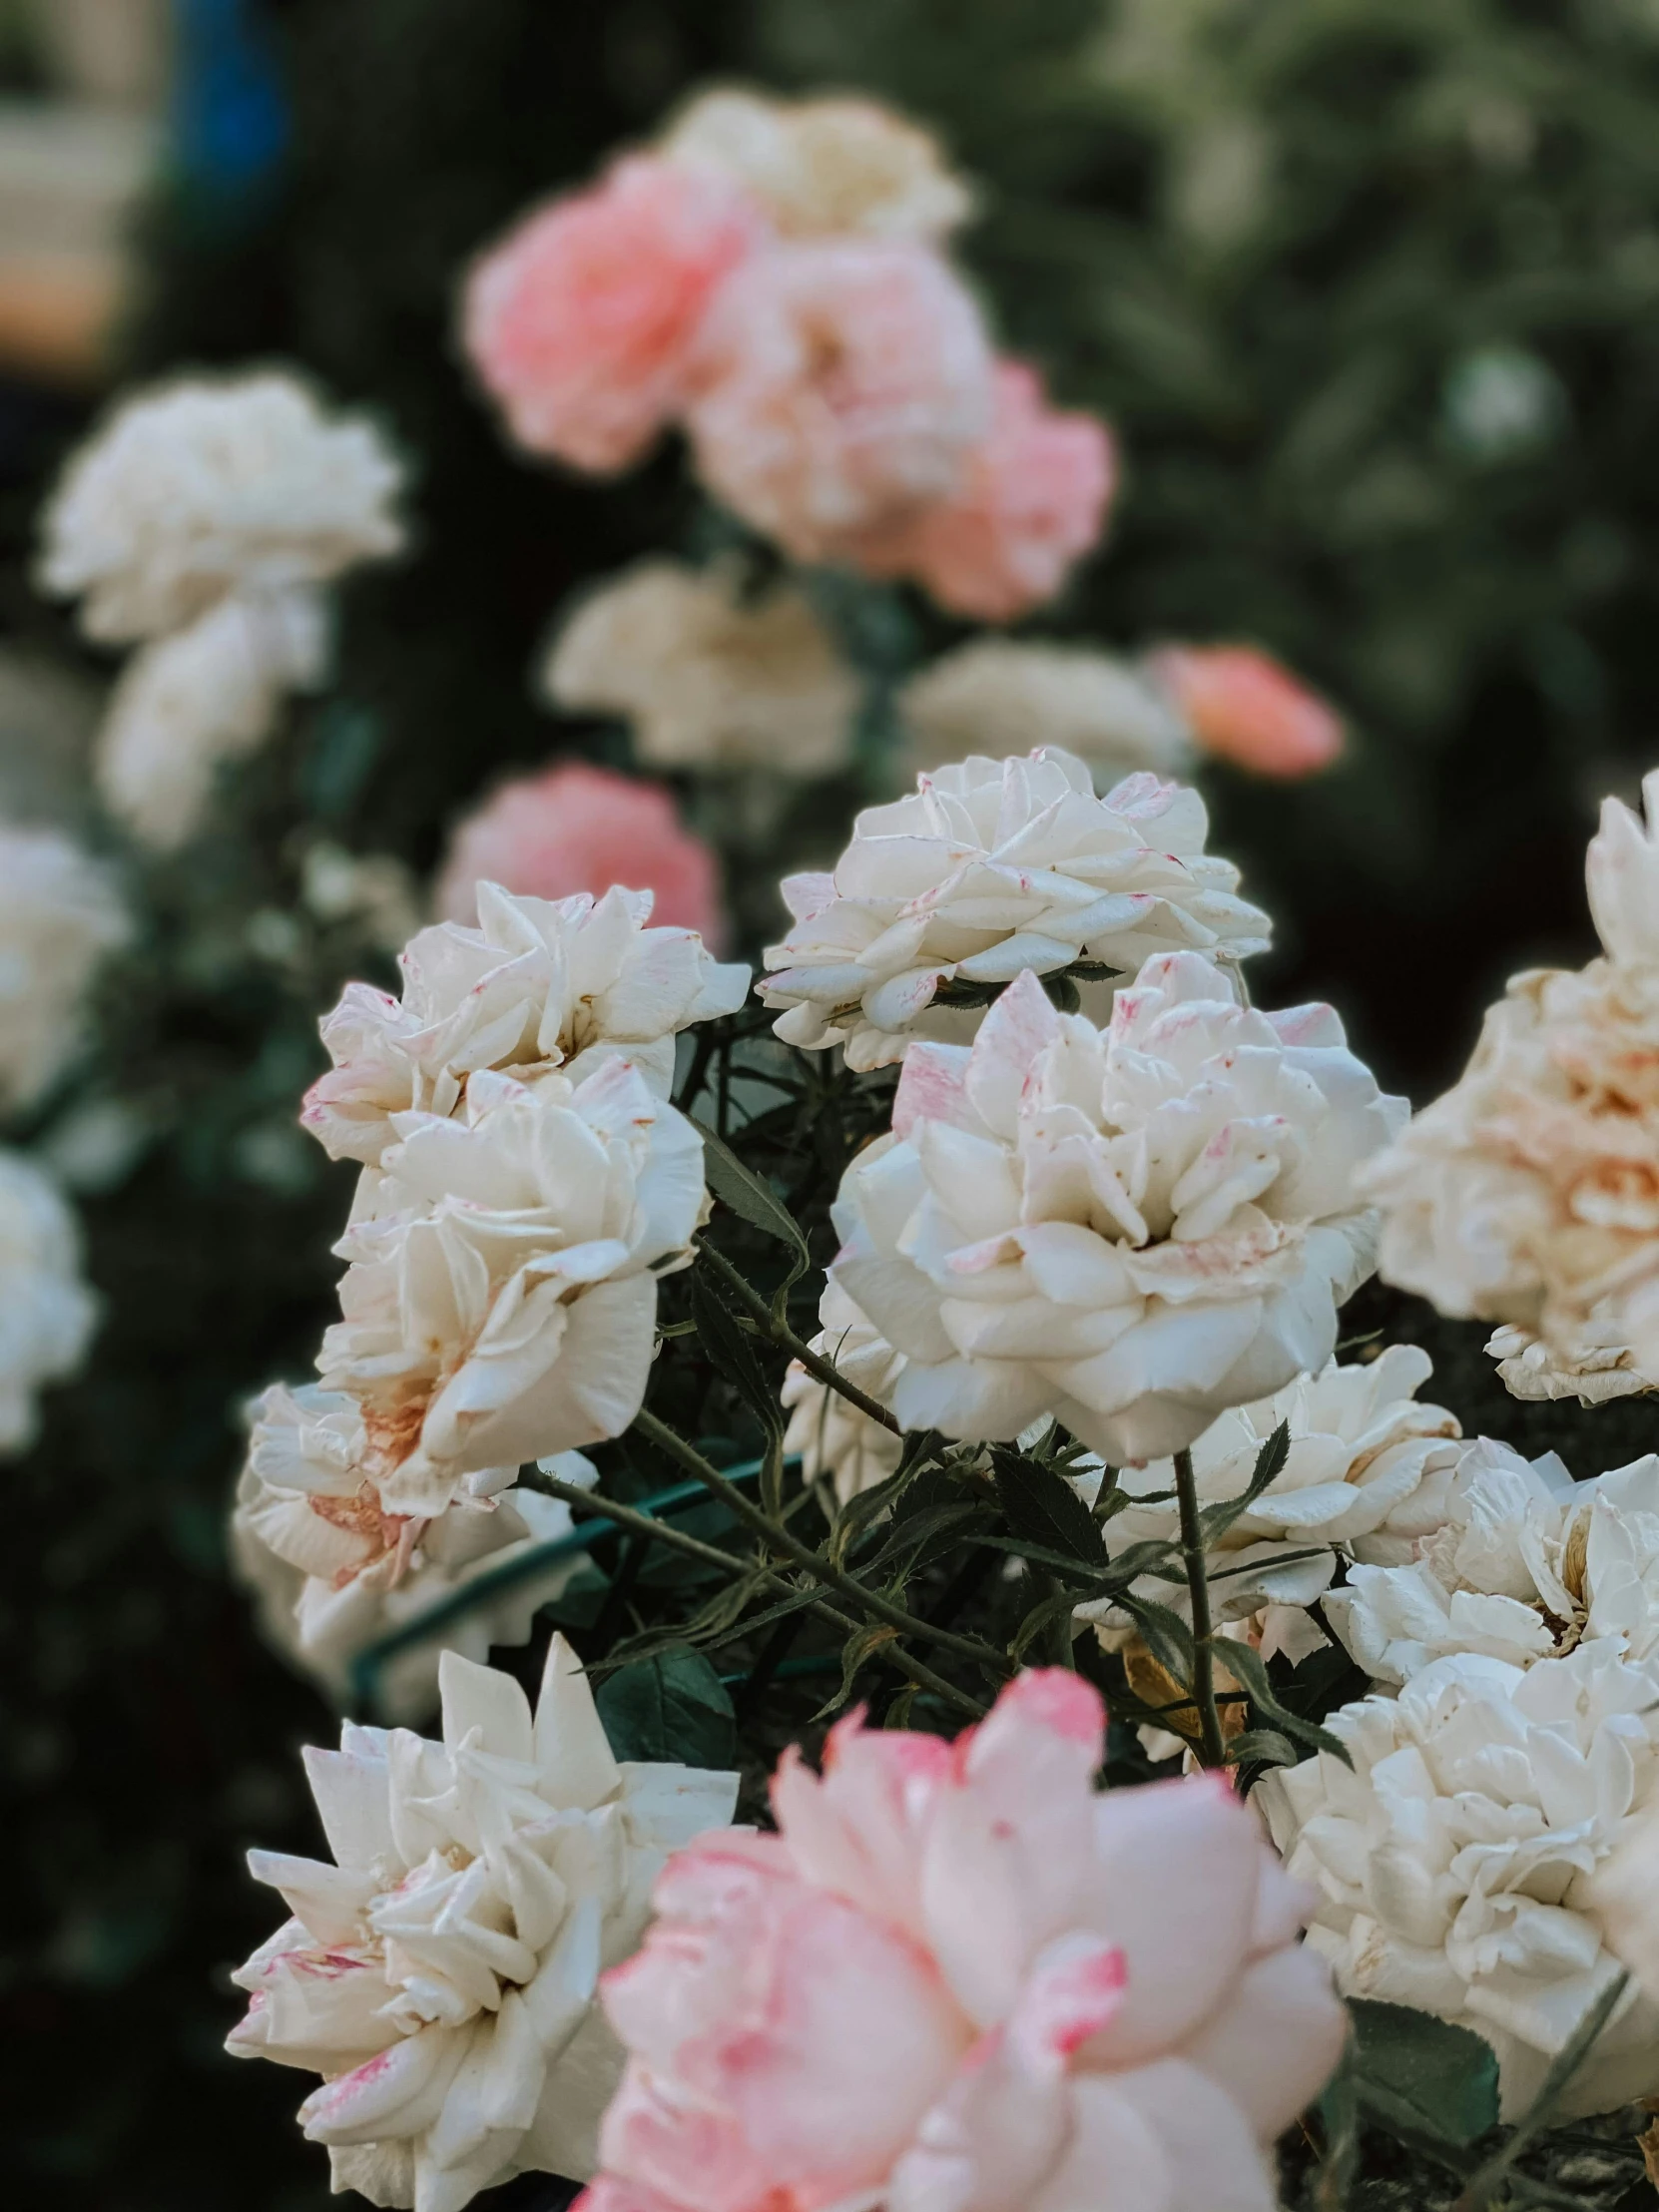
[60, 915]
[829, 1433]
[996, 693]
[47, 1311]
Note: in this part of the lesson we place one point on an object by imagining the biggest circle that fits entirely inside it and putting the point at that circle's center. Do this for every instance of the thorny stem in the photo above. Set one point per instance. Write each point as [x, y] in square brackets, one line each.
[1213, 1750]
[786, 1340]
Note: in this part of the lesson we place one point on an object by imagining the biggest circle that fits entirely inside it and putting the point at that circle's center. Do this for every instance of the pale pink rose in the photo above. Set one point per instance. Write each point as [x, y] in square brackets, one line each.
[959, 1980]
[1034, 501]
[840, 385]
[1243, 706]
[581, 322]
[580, 829]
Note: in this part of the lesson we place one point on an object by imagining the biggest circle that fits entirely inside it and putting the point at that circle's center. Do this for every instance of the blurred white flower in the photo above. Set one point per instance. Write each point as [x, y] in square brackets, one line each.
[831, 1435]
[1366, 1474]
[1130, 1229]
[540, 984]
[205, 696]
[989, 869]
[995, 693]
[1590, 1370]
[440, 1974]
[1459, 1862]
[708, 678]
[60, 912]
[370, 888]
[822, 167]
[47, 1313]
[333, 1572]
[193, 491]
[500, 1303]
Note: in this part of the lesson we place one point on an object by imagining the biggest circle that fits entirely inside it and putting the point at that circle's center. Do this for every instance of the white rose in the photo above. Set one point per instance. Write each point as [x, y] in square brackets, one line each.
[829, 1433]
[440, 1974]
[997, 691]
[540, 984]
[1593, 1367]
[1130, 1229]
[501, 1298]
[1458, 1862]
[47, 1313]
[991, 868]
[60, 913]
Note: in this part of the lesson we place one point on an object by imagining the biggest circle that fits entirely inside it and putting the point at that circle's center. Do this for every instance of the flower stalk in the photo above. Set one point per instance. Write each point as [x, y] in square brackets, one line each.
[1212, 1744]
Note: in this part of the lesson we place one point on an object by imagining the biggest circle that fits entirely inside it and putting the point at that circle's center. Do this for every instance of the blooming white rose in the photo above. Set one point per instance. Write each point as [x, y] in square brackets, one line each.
[205, 696]
[47, 1313]
[1130, 1229]
[997, 691]
[708, 678]
[60, 913]
[333, 1572]
[193, 491]
[988, 870]
[540, 984]
[1366, 1474]
[829, 1431]
[1593, 1368]
[822, 167]
[1458, 1862]
[440, 1974]
[1526, 1565]
[501, 1298]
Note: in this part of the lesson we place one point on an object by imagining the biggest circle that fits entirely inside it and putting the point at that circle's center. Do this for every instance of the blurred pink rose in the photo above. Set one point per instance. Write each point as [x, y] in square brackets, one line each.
[1032, 502]
[840, 385]
[582, 321]
[581, 828]
[1242, 706]
[960, 1979]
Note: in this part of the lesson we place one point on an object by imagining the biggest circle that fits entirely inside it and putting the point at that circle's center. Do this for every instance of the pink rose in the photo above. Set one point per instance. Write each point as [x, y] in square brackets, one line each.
[581, 322]
[959, 1980]
[1242, 706]
[841, 384]
[581, 828]
[1032, 502]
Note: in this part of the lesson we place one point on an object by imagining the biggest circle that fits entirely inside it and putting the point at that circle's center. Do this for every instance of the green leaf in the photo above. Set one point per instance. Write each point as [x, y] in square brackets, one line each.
[1039, 1505]
[1270, 1461]
[750, 1195]
[1165, 1634]
[671, 1706]
[854, 1652]
[1414, 2072]
[732, 1353]
[1248, 1665]
[1263, 1747]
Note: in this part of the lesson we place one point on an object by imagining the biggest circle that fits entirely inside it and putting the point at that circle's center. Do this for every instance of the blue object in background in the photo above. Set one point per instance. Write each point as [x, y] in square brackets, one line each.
[230, 114]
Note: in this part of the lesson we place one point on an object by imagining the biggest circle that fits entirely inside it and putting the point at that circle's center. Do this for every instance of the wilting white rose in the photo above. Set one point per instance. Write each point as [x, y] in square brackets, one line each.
[440, 1974]
[1592, 1368]
[333, 1572]
[501, 1298]
[706, 677]
[201, 698]
[540, 985]
[989, 869]
[1367, 1474]
[193, 491]
[831, 1435]
[994, 693]
[1130, 1229]
[47, 1313]
[60, 913]
[1460, 1863]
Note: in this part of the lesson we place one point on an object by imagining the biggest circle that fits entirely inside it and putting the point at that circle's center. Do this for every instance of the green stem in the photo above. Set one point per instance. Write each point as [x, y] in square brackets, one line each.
[780, 1334]
[1212, 1744]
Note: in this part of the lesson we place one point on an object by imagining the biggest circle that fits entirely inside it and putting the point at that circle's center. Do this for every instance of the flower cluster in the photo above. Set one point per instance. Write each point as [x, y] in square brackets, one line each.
[440, 1973]
[47, 1313]
[60, 915]
[772, 278]
[957, 1976]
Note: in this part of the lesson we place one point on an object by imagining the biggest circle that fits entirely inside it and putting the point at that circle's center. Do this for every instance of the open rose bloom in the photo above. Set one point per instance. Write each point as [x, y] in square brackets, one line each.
[958, 1981]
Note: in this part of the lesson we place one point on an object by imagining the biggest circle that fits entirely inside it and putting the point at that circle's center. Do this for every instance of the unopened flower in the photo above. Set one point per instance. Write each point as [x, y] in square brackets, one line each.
[1460, 1861]
[1130, 1229]
[990, 868]
[47, 1313]
[822, 167]
[60, 913]
[539, 985]
[333, 1572]
[829, 1431]
[1593, 1368]
[1242, 706]
[1367, 1474]
[995, 696]
[198, 699]
[575, 828]
[840, 385]
[582, 321]
[706, 677]
[193, 491]
[957, 1978]
[501, 1298]
[440, 1974]
[1031, 502]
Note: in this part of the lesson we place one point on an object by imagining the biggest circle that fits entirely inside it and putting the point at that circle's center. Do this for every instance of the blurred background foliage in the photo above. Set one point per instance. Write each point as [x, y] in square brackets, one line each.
[1371, 291]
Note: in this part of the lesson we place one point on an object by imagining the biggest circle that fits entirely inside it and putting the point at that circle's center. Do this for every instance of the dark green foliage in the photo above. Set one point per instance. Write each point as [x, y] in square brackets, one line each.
[670, 1706]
